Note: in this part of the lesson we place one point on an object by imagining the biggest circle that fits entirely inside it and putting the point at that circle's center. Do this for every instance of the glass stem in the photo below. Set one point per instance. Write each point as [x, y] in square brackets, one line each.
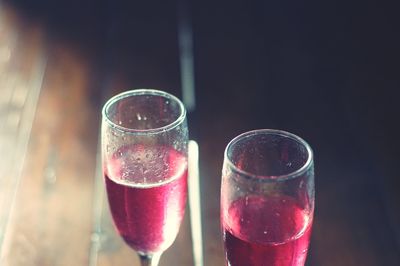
[149, 260]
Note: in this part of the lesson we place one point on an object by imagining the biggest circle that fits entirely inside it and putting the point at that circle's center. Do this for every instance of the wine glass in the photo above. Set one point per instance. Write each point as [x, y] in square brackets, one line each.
[267, 199]
[144, 152]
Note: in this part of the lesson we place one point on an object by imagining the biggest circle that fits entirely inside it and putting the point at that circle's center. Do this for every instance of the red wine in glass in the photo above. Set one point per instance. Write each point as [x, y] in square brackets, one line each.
[271, 231]
[147, 189]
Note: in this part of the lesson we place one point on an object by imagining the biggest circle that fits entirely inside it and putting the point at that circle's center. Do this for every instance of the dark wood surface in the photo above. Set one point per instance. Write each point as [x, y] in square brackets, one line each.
[327, 72]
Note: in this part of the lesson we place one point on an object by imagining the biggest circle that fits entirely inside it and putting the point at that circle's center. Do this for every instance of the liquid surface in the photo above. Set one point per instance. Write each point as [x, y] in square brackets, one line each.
[270, 231]
[147, 191]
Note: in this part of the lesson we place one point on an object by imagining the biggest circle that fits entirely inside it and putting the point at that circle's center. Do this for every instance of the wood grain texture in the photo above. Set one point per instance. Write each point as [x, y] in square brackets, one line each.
[51, 219]
[21, 74]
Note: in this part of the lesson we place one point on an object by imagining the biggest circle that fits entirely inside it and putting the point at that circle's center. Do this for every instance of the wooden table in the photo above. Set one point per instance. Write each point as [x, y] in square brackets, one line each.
[326, 73]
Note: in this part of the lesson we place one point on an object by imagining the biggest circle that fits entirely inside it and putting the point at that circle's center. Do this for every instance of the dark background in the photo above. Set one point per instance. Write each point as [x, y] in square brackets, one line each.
[327, 71]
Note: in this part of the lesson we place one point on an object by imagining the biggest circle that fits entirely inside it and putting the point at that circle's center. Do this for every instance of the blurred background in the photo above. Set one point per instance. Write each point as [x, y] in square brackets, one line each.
[326, 71]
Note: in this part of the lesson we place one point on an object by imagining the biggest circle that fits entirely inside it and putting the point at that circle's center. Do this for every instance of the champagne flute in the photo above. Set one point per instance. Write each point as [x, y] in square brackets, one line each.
[144, 152]
[267, 199]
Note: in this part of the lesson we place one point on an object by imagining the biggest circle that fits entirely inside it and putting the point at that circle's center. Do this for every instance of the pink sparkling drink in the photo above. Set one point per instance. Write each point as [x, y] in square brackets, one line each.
[144, 140]
[266, 231]
[267, 199]
[147, 190]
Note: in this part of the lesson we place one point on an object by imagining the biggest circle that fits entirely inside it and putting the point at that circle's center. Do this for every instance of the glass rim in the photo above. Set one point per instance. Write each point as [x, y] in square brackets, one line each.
[270, 178]
[143, 91]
